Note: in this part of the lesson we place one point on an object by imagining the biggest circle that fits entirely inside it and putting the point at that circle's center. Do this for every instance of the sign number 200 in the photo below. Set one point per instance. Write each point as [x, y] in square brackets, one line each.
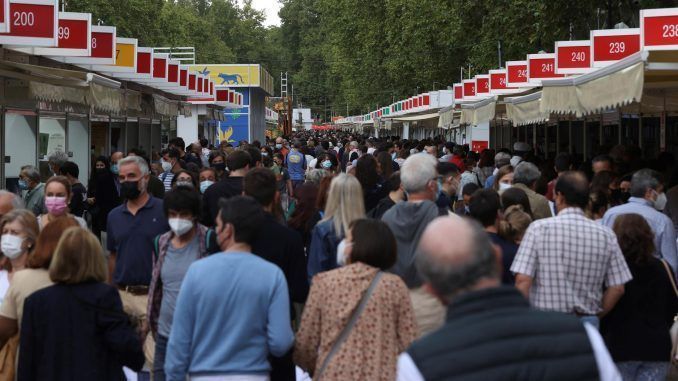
[24, 19]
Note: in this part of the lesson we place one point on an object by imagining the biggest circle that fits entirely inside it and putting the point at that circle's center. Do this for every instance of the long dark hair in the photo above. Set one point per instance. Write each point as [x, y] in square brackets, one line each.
[635, 238]
[366, 172]
[385, 164]
[307, 196]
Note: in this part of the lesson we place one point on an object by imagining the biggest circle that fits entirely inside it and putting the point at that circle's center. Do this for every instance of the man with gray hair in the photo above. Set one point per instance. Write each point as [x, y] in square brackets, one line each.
[462, 269]
[500, 159]
[649, 200]
[9, 201]
[132, 228]
[407, 220]
[55, 160]
[33, 190]
[525, 178]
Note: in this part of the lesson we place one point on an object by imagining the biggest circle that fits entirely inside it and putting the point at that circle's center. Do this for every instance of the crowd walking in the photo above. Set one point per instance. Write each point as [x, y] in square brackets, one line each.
[337, 256]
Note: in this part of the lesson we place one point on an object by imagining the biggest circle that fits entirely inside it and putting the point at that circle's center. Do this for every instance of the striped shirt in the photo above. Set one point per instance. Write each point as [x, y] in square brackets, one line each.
[167, 178]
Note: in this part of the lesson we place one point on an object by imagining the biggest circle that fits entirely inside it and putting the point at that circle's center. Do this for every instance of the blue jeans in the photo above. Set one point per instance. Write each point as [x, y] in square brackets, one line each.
[159, 359]
[643, 370]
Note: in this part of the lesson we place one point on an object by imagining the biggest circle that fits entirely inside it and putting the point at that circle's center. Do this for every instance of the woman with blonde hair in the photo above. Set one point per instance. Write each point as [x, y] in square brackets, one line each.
[344, 205]
[514, 224]
[76, 329]
[20, 231]
[503, 179]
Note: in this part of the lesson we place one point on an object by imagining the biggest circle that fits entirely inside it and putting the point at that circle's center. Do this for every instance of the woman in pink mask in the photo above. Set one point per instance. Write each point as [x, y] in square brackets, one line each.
[57, 196]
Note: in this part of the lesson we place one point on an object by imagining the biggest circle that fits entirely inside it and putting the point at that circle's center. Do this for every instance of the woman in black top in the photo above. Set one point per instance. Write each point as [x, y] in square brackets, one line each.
[103, 194]
[76, 329]
[366, 171]
[636, 331]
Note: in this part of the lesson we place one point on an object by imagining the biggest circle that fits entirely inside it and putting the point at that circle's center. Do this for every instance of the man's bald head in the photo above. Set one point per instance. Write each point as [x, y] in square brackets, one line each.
[8, 202]
[116, 157]
[454, 255]
[572, 190]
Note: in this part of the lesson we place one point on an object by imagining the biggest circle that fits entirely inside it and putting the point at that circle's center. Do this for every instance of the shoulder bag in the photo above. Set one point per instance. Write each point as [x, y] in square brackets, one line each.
[349, 326]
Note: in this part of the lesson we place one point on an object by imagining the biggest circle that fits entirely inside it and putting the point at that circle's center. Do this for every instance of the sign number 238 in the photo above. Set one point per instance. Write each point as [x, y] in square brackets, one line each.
[669, 31]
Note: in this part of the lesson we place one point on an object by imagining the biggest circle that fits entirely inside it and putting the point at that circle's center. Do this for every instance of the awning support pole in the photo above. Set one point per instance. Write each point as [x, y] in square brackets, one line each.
[569, 135]
[621, 128]
[662, 126]
[585, 134]
[558, 136]
[546, 140]
[640, 126]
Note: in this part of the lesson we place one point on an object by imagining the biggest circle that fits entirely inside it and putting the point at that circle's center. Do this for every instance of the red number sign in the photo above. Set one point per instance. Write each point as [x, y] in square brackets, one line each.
[469, 88]
[498, 80]
[573, 57]
[73, 34]
[610, 46]
[159, 68]
[479, 145]
[516, 73]
[31, 20]
[144, 62]
[102, 44]
[458, 91]
[191, 81]
[541, 66]
[659, 28]
[482, 85]
[173, 73]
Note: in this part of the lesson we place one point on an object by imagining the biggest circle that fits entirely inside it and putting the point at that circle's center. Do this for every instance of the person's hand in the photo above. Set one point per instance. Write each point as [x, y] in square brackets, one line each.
[91, 200]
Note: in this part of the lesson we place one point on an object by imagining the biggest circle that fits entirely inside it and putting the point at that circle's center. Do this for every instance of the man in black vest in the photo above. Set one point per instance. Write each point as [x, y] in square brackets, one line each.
[491, 333]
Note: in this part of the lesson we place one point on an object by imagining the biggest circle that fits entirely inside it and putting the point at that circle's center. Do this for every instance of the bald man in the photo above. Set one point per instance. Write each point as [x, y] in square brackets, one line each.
[490, 331]
[8, 202]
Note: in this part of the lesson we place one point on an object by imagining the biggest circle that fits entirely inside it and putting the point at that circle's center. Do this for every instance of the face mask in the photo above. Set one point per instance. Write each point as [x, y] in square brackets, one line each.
[264, 154]
[114, 169]
[56, 205]
[504, 186]
[278, 146]
[327, 164]
[625, 196]
[440, 189]
[23, 184]
[393, 156]
[130, 190]
[204, 185]
[184, 183]
[219, 167]
[660, 202]
[341, 252]
[11, 245]
[180, 226]
[166, 166]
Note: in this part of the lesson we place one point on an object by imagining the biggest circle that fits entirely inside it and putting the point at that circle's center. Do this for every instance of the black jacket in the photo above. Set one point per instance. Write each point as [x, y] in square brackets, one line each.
[103, 188]
[493, 334]
[224, 188]
[77, 332]
[637, 329]
[382, 207]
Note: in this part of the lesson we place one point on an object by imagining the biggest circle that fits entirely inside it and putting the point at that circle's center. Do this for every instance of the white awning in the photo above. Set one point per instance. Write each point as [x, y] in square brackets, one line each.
[479, 112]
[526, 109]
[446, 119]
[614, 86]
[415, 118]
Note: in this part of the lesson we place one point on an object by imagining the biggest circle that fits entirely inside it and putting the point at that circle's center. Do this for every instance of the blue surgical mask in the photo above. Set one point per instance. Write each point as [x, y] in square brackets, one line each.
[264, 154]
[23, 184]
[204, 185]
[327, 164]
[278, 146]
[114, 169]
[393, 156]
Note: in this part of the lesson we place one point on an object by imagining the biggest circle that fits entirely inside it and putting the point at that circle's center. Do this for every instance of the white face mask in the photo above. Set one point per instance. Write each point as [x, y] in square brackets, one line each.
[180, 226]
[660, 202]
[504, 186]
[341, 252]
[166, 166]
[11, 245]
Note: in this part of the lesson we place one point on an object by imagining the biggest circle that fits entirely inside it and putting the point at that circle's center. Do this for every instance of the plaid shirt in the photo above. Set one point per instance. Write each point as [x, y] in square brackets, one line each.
[570, 258]
[155, 289]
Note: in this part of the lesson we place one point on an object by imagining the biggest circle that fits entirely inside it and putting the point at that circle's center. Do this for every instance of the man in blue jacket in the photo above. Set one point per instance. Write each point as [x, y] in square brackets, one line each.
[233, 307]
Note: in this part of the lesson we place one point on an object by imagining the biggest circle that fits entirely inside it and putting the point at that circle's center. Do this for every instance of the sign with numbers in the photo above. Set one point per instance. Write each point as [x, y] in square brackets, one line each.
[611, 45]
[31, 23]
[4, 16]
[102, 47]
[482, 84]
[516, 74]
[659, 29]
[458, 91]
[125, 57]
[469, 88]
[541, 66]
[74, 33]
[573, 57]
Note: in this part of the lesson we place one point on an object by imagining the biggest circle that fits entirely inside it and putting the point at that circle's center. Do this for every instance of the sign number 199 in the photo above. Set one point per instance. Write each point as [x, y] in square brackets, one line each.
[23, 19]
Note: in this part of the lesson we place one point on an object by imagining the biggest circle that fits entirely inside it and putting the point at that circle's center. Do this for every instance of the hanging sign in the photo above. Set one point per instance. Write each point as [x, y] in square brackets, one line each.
[4, 16]
[516, 74]
[73, 33]
[611, 45]
[469, 88]
[458, 91]
[573, 57]
[659, 29]
[31, 23]
[541, 66]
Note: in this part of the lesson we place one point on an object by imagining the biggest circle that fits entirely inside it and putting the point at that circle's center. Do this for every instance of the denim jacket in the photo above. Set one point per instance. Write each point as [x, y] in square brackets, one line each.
[322, 255]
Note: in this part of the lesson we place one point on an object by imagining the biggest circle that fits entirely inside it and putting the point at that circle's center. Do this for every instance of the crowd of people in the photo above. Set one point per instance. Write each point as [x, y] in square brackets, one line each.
[336, 256]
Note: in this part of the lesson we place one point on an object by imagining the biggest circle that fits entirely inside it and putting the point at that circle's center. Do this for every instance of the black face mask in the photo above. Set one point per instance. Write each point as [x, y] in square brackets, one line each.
[219, 166]
[130, 190]
[625, 196]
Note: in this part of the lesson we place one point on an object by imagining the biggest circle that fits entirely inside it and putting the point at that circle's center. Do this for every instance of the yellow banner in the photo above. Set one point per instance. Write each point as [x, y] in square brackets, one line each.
[232, 75]
[125, 54]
